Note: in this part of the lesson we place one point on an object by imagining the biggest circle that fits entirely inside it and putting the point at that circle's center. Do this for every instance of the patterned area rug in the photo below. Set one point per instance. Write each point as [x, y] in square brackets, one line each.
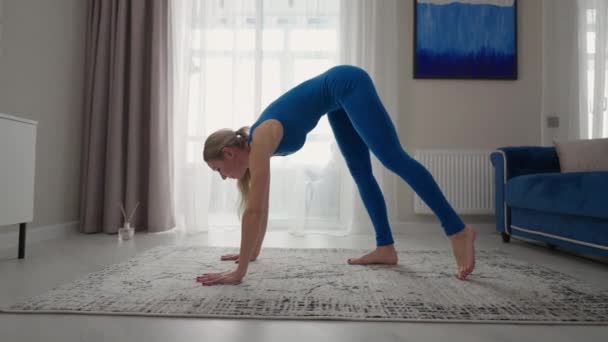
[318, 284]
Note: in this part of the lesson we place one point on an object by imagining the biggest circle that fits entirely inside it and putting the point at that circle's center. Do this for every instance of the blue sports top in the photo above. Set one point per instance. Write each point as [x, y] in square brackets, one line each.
[300, 109]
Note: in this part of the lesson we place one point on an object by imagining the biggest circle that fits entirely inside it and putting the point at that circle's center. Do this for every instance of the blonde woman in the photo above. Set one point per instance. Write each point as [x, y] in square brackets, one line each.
[360, 124]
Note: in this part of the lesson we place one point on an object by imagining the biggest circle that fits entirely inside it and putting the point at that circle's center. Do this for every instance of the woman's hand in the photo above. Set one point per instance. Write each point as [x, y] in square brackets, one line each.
[224, 278]
[229, 257]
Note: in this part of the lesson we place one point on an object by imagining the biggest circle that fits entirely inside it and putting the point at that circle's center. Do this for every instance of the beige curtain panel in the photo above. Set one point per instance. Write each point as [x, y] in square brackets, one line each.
[127, 121]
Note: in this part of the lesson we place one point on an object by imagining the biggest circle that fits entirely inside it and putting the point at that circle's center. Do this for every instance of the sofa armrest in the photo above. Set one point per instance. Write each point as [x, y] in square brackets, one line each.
[516, 161]
[502, 216]
[523, 160]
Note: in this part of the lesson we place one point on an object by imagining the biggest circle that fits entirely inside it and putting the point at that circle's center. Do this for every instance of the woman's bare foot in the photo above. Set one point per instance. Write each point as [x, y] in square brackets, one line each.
[235, 257]
[463, 246]
[386, 255]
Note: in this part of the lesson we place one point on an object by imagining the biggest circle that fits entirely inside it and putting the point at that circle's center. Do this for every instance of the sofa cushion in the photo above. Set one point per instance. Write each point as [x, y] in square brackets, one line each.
[582, 155]
[573, 193]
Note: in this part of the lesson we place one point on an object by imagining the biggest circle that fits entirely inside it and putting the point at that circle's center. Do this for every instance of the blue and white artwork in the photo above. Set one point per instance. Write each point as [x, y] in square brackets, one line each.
[465, 39]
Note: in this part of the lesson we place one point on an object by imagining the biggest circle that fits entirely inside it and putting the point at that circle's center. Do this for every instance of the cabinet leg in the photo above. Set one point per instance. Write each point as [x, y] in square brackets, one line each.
[505, 237]
[22, 240]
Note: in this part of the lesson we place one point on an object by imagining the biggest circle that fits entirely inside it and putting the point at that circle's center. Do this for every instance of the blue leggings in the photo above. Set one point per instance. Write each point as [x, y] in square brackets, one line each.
[361, 124]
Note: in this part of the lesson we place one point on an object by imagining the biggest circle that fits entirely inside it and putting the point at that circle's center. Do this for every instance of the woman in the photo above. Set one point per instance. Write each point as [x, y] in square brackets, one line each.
[360, 124]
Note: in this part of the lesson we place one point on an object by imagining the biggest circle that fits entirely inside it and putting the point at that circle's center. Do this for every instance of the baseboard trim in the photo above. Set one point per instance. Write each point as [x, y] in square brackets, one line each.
[426, 227]
[404, 227]
[9, 237]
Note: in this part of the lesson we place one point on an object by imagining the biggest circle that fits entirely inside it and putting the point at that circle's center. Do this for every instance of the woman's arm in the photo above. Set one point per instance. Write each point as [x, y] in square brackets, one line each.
[270, 133]
[257, 206]
[262, 232]
[259, 242]
[268, 136]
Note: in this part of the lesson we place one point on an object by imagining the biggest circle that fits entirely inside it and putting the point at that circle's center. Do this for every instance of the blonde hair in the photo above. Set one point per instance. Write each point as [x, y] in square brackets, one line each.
[213, 151]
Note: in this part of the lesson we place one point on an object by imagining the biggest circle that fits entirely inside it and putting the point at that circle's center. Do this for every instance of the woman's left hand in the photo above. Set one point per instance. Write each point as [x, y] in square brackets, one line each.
[224, 278]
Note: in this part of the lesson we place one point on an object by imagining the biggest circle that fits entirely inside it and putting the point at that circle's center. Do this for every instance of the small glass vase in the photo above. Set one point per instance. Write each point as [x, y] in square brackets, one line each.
[126, 232]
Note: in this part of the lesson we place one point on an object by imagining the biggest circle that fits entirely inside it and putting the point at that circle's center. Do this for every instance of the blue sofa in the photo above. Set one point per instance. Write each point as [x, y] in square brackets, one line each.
[535, 200]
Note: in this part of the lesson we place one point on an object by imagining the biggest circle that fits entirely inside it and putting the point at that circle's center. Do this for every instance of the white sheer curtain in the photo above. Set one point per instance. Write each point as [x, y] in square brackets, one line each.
[575, 37]
[231, 59]
[593, 57]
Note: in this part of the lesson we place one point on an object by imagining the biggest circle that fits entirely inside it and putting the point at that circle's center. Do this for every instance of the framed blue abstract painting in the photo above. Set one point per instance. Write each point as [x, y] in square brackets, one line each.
[465, 39]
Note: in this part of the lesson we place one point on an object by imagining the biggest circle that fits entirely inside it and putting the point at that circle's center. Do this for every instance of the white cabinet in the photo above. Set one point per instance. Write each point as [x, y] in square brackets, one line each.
[17, 169]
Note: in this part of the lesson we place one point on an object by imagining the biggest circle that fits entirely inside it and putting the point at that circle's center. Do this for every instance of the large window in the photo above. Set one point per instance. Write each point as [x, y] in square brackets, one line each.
[291, 41]
[596, 120]
[242, 55]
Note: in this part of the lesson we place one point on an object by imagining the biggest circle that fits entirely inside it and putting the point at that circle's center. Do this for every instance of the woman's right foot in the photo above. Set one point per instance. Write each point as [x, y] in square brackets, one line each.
[463, 246]
[235, 257]
[385, 255]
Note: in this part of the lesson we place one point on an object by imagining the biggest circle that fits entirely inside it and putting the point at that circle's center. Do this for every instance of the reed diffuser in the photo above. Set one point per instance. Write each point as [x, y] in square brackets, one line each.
[126, 232]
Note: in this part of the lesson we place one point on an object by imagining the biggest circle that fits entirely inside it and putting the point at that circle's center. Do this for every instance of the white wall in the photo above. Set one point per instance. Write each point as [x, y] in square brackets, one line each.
[482, 114]
[41, 78]
[560, 71]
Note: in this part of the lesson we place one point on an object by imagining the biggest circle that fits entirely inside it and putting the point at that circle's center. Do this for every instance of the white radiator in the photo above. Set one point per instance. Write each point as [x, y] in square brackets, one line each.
[464, 176]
